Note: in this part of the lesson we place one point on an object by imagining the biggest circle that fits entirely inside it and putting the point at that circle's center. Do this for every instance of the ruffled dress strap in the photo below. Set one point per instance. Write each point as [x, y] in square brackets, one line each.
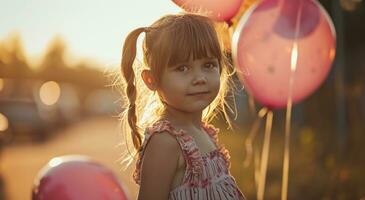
[189, 149]
[213, 133]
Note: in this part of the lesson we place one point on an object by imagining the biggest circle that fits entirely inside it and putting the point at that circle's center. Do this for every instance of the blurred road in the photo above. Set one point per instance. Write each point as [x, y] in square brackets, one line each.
[96, 137]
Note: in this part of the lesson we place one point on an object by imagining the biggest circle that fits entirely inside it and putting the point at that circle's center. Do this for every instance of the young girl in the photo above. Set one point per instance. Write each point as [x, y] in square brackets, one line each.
[184, 70]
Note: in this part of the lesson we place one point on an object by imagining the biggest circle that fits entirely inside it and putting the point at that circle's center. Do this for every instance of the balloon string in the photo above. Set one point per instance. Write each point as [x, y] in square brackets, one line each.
[265, 156]
[251, 137]
[251, 104]
[284, 188]
[257, 169]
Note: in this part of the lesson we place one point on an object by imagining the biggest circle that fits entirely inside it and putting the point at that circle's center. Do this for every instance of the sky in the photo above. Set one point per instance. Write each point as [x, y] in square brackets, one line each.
[92, 29]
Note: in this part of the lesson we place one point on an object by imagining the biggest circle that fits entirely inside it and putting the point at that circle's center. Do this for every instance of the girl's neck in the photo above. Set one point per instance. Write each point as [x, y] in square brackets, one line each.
[183, 119]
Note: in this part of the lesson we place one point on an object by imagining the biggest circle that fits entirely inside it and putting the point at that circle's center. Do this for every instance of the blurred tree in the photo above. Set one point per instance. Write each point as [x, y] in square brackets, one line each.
[54, 55]
[13, 60]
[53, 66]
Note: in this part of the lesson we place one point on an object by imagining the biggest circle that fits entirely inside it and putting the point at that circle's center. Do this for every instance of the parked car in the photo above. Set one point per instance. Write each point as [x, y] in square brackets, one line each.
[25, 122]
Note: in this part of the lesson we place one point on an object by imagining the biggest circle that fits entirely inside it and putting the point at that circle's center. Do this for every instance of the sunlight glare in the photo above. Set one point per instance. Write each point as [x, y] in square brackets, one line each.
[294, 57]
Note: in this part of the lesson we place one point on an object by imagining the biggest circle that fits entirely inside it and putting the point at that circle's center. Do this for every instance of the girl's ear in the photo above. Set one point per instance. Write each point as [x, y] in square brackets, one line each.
[148, 79]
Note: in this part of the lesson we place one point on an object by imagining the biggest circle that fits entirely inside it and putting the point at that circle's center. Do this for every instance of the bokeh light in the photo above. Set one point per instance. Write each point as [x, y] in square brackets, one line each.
[4, 123]
[50, 93]
[1, 84]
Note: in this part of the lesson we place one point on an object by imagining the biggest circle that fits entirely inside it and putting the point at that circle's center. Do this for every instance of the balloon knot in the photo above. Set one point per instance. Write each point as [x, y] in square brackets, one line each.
[229, 22]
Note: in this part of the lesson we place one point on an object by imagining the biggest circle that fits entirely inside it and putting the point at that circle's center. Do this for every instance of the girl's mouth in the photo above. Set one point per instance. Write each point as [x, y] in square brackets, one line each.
[198, 93]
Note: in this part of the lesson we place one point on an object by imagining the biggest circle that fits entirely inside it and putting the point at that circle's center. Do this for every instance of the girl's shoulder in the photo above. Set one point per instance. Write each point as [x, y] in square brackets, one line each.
[164, 135]
[160, 145]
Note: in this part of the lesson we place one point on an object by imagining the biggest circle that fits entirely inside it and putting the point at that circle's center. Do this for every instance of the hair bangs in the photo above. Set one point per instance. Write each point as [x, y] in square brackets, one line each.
[193, 40]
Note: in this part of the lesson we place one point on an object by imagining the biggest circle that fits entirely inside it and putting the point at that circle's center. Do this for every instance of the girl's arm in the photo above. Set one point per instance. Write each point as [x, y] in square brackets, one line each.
[159, 165]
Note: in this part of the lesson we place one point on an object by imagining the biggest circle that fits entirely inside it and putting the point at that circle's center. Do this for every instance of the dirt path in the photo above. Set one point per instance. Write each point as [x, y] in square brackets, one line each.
[97, 138]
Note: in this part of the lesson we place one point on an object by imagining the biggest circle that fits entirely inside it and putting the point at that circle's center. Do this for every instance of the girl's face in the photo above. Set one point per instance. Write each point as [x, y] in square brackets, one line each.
[190, 86]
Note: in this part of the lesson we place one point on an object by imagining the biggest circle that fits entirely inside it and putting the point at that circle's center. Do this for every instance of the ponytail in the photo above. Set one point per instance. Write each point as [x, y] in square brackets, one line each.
[128, 56]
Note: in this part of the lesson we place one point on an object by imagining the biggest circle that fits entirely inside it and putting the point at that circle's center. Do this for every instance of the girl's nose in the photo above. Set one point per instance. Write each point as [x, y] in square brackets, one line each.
[199, 79]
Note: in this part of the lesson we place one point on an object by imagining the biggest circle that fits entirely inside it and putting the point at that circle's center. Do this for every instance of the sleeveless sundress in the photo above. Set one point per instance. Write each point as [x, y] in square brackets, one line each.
[206, 175]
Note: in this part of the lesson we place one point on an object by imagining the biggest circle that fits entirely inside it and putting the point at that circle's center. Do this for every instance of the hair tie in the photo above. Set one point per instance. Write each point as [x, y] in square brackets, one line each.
[132, 105]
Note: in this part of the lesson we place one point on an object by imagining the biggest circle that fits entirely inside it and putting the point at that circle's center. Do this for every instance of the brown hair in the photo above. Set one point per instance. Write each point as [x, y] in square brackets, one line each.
[170, 40]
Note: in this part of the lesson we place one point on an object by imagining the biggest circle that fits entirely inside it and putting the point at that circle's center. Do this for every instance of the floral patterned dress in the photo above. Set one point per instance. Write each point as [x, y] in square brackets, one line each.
[206, 175]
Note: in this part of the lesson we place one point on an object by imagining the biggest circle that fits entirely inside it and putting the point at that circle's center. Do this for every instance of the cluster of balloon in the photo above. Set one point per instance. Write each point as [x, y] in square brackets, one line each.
[283, 50]
[76, 177]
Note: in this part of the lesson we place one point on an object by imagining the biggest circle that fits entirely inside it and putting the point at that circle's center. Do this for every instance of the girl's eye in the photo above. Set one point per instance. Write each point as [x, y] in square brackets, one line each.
[182, 68]
[210, 65]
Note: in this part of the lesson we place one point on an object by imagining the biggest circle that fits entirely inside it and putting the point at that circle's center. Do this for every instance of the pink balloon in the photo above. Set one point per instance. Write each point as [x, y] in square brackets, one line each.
[216, 9]
[277, 40]
[75, 178]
